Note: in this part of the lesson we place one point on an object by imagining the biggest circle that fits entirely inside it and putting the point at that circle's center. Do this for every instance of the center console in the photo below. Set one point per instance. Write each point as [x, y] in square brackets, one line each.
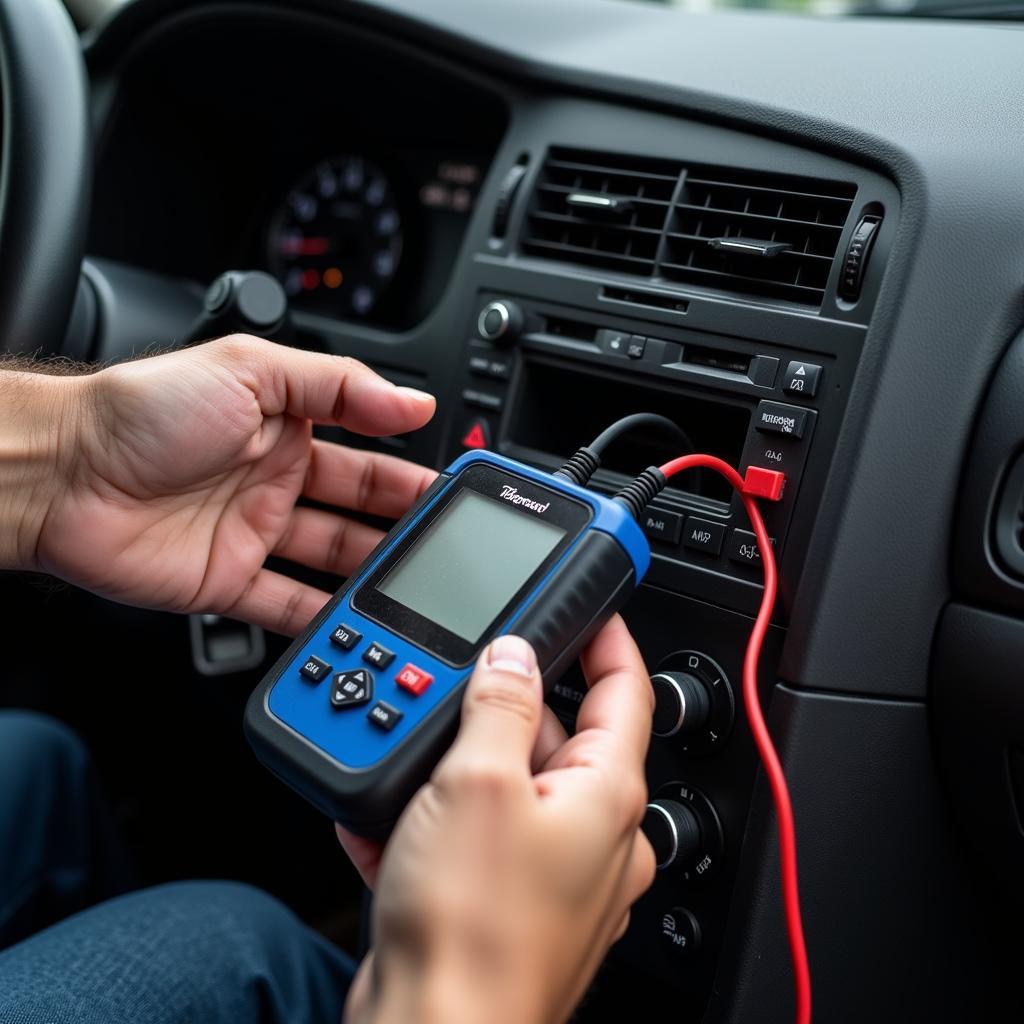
[754, 364]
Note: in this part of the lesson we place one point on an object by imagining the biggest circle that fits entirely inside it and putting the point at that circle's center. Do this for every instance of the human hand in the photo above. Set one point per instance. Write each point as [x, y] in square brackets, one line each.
[513, 869]
[181, 473]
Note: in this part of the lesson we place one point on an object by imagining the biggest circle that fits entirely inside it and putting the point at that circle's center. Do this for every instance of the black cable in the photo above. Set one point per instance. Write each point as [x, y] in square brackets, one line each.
[638, 419]
[580, 468]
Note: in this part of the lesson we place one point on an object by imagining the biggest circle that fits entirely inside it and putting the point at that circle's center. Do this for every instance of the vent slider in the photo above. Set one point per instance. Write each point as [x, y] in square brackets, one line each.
[596, 203]
[749, 246]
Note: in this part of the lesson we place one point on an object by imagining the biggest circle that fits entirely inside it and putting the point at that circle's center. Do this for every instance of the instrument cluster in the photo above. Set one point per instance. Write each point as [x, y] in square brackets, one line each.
[361, 236]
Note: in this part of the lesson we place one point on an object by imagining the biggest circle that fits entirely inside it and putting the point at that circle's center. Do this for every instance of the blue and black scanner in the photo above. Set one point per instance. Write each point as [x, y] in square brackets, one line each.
[360, 708]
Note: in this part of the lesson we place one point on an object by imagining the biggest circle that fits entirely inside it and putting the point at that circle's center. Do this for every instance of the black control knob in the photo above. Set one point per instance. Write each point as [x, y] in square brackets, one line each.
[682, 704]
[500, 322]
[673, 831]
[247, 301]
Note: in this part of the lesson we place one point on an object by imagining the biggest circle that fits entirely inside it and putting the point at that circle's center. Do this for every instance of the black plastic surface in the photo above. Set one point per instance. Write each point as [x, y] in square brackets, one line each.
[46, 173]
[893, 928]
[978, 720]
[990, 495]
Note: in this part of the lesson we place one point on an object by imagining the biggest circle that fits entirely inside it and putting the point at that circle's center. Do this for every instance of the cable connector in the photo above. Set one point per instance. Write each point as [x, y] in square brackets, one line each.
[580, 468]
[637, 495]
[759, 482]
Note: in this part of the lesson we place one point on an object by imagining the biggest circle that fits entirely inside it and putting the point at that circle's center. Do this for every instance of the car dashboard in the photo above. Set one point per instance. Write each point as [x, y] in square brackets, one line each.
[799, 239]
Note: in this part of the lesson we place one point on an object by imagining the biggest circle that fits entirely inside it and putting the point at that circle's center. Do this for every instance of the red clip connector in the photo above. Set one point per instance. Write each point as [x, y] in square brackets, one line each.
[764, 483]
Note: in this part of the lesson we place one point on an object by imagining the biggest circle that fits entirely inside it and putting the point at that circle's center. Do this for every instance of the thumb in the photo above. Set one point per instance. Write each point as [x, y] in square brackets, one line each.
[501, 710]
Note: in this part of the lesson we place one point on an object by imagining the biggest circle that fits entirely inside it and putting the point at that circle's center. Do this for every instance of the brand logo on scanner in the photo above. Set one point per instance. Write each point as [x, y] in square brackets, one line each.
[509, 493]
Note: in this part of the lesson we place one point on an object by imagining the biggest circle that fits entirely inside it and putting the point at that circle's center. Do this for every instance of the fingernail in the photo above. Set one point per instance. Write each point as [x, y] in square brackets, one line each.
[512, 654]
[419, 396]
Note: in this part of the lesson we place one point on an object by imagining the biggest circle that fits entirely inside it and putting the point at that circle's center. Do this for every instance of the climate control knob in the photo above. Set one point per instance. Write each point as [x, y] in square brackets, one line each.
[673, 831]
[682, 704]
[500, 322]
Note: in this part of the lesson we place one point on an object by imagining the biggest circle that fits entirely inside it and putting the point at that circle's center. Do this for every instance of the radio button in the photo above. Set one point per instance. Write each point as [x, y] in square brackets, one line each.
[776, 418]
[384, 716]
[483, 400]
[661, 525]
[379, 657]
[413, 679]
[704, 535]
[636, 346]
[802, 379]
[345, 637]
[490, 366]
[314, 668]
[743, 548]
[613, 342]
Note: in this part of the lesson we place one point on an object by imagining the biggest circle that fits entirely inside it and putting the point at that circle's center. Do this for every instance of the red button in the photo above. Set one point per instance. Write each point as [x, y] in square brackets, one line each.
[413, 679]
[476, 435]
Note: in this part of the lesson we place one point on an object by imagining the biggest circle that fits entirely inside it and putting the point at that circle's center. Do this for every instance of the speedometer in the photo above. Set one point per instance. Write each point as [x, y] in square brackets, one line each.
[336, 240]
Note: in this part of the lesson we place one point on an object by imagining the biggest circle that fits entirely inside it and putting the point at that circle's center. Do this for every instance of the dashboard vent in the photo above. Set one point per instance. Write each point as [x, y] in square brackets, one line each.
[742, 232]
[802, 217]
[603, 210]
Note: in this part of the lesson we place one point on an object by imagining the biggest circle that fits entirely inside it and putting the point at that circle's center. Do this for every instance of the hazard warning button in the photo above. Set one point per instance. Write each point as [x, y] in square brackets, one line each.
[477, 435]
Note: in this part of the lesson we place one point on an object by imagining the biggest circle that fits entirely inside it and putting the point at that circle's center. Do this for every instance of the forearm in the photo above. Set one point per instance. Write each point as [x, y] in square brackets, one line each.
[38, 439]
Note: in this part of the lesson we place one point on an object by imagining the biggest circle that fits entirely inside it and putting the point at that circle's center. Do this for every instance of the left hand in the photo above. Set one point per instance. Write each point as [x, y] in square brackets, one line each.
[180, 475]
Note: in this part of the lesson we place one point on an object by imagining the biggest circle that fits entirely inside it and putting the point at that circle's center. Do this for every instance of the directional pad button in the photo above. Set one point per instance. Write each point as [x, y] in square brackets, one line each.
[352, 688]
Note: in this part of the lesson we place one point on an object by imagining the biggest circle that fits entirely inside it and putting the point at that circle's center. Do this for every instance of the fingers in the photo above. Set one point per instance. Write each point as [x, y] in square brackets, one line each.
[379, 484]
[501, 714]
[550, 738]
[365, 854]
[323, 540]
[642, 868]
[277, 603]
[324, 388]
[620, 699]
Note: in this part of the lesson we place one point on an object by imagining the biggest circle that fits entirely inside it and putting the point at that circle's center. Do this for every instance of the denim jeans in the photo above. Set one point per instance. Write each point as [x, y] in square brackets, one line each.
[197, 952]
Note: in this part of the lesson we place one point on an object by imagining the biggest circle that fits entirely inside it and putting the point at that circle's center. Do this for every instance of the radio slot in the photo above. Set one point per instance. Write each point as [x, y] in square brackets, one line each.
[560, 327]
[560, 406]
[716, 359]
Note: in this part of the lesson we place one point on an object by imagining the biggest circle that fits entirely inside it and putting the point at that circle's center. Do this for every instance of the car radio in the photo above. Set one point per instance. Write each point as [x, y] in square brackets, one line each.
[539, 378]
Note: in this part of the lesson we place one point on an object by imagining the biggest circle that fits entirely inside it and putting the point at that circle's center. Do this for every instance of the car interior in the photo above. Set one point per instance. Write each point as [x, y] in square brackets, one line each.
[800, 237]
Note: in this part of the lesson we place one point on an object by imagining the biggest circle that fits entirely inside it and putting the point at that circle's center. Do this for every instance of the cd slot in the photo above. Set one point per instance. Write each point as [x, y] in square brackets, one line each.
[560, 407]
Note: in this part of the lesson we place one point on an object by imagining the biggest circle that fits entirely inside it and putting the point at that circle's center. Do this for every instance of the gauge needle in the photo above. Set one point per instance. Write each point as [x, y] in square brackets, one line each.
[292, 246]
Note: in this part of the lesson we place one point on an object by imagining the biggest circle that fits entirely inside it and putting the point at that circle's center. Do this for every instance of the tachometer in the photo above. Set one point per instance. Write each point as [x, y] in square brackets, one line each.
[336, 241]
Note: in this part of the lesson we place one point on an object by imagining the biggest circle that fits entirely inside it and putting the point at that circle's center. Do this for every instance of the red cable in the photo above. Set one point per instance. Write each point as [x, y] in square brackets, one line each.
[762, 738]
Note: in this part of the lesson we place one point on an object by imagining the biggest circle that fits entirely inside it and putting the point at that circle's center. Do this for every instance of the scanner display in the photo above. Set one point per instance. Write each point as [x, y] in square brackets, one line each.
[470, 562]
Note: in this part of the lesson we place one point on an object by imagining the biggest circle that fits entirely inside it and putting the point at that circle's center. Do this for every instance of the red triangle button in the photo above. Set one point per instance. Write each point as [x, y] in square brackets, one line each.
[476, 436]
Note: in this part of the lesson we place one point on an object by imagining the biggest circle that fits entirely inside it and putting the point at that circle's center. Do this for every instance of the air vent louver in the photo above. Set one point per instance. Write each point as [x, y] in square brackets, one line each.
[806, 215]
[626, 241]
[787, 229]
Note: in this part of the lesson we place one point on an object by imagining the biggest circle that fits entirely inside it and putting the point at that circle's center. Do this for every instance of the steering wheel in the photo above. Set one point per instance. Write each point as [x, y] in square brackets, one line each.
[44, 173]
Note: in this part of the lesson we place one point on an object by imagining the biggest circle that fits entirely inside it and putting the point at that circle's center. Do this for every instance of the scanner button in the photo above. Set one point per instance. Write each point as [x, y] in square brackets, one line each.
[351, 689]
[315, 669]
[413, 679]
[345, 637]
[384, 716]
[379, 657]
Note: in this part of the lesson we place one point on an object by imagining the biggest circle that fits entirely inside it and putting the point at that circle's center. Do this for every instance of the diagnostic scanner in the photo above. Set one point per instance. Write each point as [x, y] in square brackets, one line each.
[361, 707]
